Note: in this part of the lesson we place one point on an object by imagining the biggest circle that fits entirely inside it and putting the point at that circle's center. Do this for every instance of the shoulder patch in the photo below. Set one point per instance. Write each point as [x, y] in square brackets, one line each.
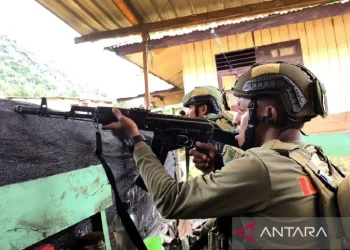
[306, 186]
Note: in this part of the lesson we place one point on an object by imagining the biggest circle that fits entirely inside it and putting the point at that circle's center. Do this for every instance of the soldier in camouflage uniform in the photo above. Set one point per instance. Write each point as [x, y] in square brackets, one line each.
[263, 183]
[211, 103]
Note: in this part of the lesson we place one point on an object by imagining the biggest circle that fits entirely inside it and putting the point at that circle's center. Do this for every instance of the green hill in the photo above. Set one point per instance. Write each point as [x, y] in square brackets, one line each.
[23, 74]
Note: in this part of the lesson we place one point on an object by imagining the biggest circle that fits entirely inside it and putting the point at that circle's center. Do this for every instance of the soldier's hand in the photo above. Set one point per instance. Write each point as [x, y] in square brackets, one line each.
[203, 162]
[124, 128]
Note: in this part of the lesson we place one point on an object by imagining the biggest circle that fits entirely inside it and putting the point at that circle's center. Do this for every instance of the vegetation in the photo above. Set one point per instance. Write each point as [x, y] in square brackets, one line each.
[24, 75]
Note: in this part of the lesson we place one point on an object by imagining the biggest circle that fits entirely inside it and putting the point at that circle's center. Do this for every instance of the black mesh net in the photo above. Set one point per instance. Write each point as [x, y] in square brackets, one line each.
[33, 147]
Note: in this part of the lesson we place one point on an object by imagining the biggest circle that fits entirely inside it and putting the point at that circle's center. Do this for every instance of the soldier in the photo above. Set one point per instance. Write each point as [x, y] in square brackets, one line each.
[263, 183]
[211, 103]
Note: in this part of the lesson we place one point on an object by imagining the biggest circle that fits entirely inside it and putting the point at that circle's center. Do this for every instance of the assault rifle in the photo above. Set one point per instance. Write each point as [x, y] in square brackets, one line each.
[170, 132]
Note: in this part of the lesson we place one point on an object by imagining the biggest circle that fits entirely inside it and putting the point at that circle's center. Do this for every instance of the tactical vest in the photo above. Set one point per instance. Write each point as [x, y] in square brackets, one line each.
[223, 120]
[332, 186]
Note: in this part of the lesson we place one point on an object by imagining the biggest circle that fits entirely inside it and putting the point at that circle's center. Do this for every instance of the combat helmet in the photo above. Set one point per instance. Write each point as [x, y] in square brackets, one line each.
[211, 95]
[303, 95]
[217, 100]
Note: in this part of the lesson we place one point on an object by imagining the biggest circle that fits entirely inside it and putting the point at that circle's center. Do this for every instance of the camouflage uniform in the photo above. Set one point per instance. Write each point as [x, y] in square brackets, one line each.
[262, 183]
[221, 115]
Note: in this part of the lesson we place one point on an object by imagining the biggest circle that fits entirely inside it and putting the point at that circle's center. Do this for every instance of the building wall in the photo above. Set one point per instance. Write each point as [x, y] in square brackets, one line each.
[326, 52]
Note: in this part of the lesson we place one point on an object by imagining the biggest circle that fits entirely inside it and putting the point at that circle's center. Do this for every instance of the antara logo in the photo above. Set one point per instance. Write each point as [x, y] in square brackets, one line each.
[293, 232]
[281, 232]
[250, 226]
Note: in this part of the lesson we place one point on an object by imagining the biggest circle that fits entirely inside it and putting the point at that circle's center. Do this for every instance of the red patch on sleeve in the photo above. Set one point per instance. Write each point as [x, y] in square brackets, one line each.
[306, 186]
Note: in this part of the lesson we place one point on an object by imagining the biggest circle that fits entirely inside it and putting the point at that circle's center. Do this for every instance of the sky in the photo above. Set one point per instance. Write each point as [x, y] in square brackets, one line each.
[41, 32]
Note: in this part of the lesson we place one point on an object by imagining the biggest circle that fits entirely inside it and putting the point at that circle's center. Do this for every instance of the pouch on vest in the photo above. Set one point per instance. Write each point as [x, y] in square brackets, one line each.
[331, 184]
[223, 120]
[230, 153]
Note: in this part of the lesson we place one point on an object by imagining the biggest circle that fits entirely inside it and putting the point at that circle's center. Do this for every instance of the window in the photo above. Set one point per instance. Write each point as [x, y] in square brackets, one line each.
[231, 65]
[235, 59]
[287, 51]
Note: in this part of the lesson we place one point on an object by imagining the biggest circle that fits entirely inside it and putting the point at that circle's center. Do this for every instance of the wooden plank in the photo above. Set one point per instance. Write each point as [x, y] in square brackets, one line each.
[145, 67]
[166, 68]
[128, 12]
[209, 64]
[257, 38]
[249, 40]
[344, 58]
[202, 80]
[67, 16]
[284, 33]
[185, 68]
[105, 229]
[224, 44]
[112, 11]
[236, 12]
[232, 42]
[333, 123]
[78, 11]
[312, 45]
[227, 82]
[241, 41]
[234, 29]
[266, 36]
[335, 95]
[192, 65]
[214, 51]
[346, 19]
[275, 35]
[97, 14]
[37, 209]
[304, 45]
[324, 64]
[293, 31]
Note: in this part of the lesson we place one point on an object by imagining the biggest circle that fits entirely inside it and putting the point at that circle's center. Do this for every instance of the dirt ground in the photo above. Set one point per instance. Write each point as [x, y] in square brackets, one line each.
[342, 162]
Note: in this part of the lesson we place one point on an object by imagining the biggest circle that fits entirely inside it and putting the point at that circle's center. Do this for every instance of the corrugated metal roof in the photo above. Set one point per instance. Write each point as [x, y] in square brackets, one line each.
[93, 16]
[117, 42]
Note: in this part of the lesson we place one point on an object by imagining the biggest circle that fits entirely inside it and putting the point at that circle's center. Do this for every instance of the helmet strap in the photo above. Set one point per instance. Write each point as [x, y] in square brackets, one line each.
[253, 120]
[224, 97]
[196, 110]
[250, 130]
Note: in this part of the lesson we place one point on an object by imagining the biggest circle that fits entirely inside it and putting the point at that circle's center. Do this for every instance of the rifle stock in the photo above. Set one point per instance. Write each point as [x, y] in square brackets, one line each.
[170, 132]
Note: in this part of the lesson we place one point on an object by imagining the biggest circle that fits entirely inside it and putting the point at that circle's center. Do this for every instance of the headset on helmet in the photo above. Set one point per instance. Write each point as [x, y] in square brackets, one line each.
[303, 95]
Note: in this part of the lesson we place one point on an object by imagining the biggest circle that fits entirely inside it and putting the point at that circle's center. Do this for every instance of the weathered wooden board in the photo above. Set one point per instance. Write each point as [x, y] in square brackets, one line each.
[36, 209]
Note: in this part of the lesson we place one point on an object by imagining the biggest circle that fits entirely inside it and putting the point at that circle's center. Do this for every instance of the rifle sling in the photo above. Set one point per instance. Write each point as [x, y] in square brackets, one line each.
[187, 154]
[128, 224]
